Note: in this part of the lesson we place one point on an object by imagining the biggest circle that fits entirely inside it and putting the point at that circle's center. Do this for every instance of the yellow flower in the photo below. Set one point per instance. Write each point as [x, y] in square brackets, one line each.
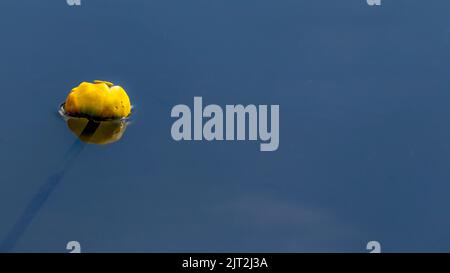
[98, 100]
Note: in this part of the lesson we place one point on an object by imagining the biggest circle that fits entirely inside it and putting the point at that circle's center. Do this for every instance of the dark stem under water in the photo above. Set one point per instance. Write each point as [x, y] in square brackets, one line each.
[39, 199]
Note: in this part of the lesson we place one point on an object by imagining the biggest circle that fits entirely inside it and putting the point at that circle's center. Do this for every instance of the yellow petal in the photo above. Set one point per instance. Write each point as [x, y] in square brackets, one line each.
[101, 100]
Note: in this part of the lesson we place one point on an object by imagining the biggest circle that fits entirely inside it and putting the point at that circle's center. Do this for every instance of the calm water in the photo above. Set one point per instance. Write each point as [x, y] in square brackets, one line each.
[364, 98]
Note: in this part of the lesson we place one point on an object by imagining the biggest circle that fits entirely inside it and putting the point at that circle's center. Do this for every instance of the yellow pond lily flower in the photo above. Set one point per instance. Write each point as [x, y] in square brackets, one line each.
[98, 100]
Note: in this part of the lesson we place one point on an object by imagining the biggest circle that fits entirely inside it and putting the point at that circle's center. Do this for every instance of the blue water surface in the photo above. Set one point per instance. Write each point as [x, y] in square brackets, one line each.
[364, 95]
